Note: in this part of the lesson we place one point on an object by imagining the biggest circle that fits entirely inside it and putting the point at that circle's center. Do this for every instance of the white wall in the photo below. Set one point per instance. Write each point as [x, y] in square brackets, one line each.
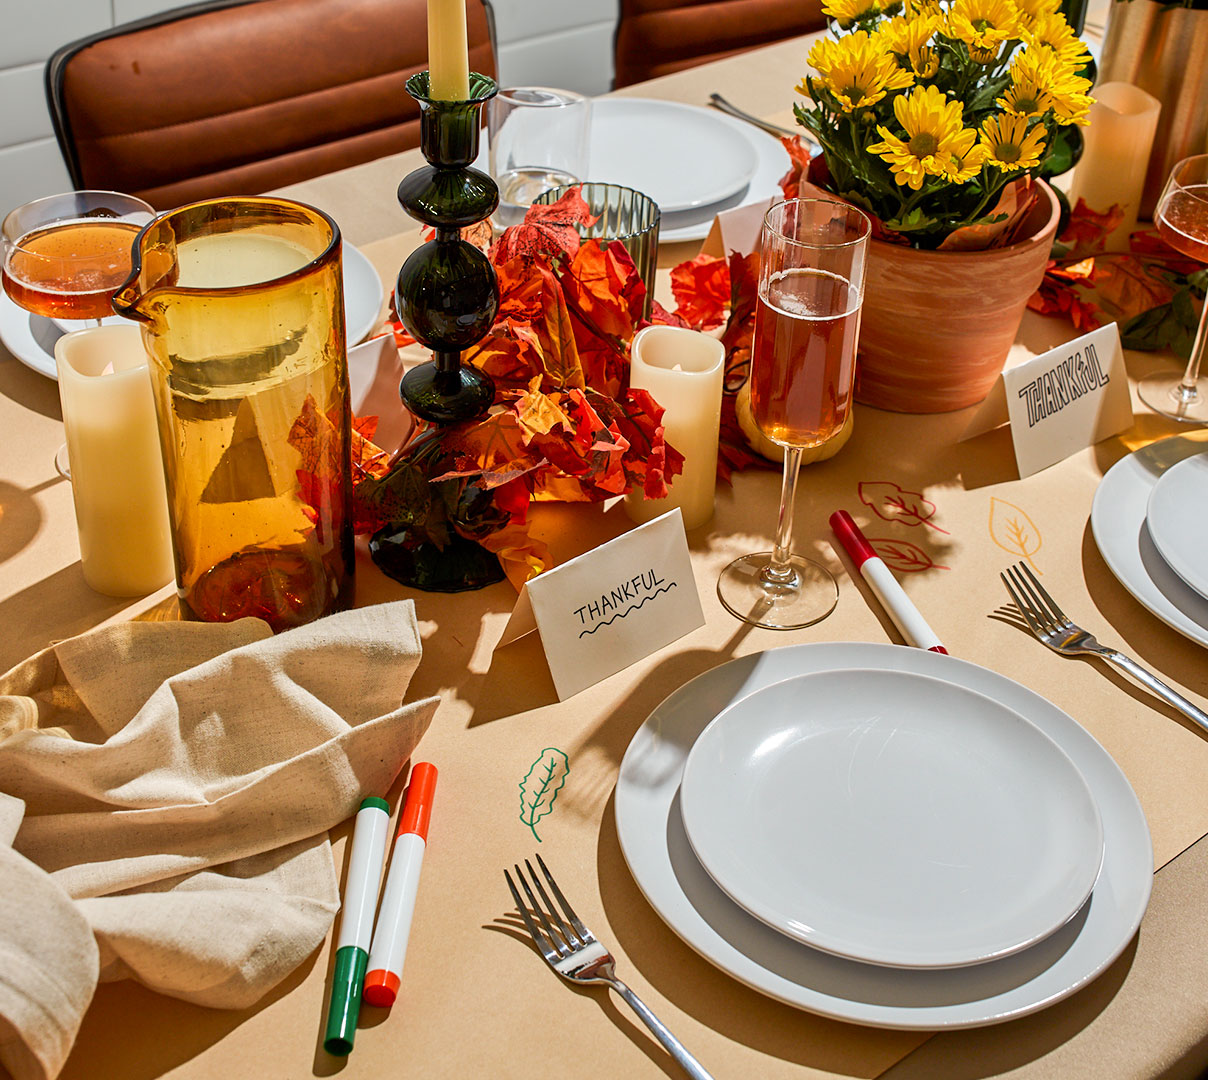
[566, 43]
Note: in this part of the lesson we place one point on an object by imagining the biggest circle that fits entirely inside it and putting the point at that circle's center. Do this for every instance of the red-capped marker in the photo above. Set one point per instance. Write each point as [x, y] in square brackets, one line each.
[389, 947]
[884, 585]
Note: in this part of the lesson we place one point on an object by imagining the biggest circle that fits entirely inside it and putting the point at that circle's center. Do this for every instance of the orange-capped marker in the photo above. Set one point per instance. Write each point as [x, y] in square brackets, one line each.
[389, 947]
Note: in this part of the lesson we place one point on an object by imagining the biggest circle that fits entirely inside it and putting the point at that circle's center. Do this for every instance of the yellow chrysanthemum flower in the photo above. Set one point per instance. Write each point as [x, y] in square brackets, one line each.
[1025, 99]
[960, 170]
[856, 70]
[1034, 9]
[1053, 31]
[846, 12]
[1010, 145]
[1040, 68]
[908, 39]
[914, 8]
[935, 137]
[984, 24]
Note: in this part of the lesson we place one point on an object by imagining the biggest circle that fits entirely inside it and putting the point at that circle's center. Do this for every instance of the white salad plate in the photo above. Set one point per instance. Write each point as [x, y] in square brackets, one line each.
[661, 859]
[1123, 538]
[891, 817]
[31, 338]
[1177, 518]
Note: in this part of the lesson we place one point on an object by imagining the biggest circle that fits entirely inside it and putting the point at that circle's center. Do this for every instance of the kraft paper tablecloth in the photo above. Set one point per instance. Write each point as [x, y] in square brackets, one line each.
[166, 789]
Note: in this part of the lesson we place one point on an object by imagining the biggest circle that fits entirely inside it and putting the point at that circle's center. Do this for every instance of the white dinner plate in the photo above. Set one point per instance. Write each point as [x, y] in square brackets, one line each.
[1118, 523]
[678, 226]
[31, 338]
[892, 818]
[678, 888]
[1177, 518]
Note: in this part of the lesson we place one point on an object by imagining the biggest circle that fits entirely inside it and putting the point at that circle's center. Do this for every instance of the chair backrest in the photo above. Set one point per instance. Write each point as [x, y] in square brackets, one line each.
[236, 97]
[657, 37]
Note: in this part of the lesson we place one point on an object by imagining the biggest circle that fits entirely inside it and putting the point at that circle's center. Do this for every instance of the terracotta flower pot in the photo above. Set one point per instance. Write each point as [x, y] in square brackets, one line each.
[937, 325]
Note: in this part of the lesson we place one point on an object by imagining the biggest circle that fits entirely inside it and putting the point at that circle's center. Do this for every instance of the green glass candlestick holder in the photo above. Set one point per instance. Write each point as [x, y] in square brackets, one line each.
[447, 292]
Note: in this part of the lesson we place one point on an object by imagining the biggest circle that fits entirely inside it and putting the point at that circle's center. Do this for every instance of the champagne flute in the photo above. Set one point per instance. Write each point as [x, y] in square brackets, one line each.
[807, 321]
[1182, 220]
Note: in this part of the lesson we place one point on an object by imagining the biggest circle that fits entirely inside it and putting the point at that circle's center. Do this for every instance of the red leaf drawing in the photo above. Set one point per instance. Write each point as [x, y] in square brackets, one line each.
[890, 503]
[903, 555]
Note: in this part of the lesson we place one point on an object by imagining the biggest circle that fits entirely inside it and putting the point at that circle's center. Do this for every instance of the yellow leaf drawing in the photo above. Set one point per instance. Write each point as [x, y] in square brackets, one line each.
[1012, 530]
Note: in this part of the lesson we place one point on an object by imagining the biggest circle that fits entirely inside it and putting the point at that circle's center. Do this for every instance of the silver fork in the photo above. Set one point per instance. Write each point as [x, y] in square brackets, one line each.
[577, 956]
[1050, 624]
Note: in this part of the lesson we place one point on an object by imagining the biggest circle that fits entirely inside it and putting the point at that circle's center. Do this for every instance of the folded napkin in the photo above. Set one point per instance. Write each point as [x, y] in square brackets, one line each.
[165, 793]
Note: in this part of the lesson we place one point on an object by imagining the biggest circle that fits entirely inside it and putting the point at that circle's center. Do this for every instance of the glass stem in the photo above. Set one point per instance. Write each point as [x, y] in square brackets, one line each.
[779, 569]
[1188, 391]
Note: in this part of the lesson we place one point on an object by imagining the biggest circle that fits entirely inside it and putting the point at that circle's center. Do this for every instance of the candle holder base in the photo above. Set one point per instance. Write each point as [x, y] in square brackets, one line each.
[445, 397]
[460, 566]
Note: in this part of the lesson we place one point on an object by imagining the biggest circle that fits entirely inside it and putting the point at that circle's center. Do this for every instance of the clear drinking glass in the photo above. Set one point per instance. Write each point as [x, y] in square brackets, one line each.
[803, 365]
[1182, 220]
[539, 139]
[622, 216]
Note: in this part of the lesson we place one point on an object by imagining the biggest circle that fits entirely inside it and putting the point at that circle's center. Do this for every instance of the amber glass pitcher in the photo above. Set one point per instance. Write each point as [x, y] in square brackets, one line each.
[242, 312]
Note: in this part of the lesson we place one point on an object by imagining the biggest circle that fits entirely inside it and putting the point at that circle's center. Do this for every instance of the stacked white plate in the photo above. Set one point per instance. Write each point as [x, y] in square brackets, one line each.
[31, 338]
[1150, 521]
[694, 162]
[884, 835]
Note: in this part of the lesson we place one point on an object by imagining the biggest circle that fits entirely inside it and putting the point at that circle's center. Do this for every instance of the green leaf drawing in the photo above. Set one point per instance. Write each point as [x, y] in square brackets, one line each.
[541, 785]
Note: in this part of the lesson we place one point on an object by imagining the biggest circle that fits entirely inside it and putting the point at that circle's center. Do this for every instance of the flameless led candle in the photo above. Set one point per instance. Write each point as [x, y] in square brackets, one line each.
[448, 54]
[682, 370]
[1123, 120]
[117, 473]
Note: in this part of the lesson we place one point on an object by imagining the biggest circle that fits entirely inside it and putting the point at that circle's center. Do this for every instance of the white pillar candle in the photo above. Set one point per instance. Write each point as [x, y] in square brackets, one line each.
[682, 370]
[1123, 120]
[448, 54]
[117, 473]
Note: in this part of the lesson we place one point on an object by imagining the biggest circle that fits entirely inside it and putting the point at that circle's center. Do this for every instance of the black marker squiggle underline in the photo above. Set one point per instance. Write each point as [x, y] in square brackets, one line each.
[621, 615]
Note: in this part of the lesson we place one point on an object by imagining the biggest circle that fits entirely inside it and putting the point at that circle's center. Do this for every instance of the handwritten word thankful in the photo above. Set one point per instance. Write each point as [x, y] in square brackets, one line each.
[1052, 390]
[629, 595]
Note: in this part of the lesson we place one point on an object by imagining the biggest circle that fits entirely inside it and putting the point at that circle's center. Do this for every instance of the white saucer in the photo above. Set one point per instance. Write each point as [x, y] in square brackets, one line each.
[892, 818]
[682, 893]
[31, 338]
[1118, 523]
[1177, 518]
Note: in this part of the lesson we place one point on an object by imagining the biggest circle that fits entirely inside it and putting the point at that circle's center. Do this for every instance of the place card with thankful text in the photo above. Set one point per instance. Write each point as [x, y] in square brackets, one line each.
[612, 605]
[1057, 403]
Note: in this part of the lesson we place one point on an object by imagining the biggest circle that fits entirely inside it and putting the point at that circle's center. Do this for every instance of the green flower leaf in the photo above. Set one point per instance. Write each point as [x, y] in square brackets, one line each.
[540, 786]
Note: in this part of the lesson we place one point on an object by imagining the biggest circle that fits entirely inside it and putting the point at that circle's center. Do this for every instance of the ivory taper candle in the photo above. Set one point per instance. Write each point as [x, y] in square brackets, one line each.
[1123, 120]
[448, 54]
[117, 473]
[682, 369]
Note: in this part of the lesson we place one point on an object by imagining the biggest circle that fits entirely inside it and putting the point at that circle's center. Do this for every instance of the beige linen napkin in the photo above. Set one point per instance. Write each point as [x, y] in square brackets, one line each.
[165, 792]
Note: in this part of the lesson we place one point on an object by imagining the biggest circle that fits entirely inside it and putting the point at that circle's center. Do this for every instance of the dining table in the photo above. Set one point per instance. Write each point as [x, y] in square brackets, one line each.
[477, 1000]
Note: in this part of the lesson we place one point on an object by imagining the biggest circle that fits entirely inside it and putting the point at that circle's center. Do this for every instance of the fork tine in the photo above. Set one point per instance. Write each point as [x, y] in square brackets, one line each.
[1039, 610]
[538, 938]
[583, 932]
[566, 930]
[559, 946]
[1058, 614]
[1024, 610]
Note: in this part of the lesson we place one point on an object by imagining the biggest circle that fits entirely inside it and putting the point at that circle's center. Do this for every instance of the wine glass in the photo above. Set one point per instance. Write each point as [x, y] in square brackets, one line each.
[807, 321]
[65, 255]
[1182, 220]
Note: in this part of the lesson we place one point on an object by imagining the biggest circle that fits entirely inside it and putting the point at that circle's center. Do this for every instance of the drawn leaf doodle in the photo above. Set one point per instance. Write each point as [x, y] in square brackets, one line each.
[891, 503]
[1012, 530]
[541, 785]
[903, 555]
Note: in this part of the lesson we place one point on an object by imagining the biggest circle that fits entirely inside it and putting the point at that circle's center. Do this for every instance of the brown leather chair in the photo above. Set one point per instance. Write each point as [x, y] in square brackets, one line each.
[657, 37]
[235, 97]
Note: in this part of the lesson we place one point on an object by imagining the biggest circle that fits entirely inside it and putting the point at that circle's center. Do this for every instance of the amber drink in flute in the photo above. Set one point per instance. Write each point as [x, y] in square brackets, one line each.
[1182, 220]
[807, 324]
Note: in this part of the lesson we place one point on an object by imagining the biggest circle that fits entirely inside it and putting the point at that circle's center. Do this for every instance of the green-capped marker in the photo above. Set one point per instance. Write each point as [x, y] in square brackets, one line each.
[356, 924]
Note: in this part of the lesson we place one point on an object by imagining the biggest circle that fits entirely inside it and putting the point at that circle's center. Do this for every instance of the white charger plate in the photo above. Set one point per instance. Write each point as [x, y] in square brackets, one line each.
[678, 888]
[1123, 538]
[1177, 518]
[31, 338]
[892, 818]
[680, 226]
